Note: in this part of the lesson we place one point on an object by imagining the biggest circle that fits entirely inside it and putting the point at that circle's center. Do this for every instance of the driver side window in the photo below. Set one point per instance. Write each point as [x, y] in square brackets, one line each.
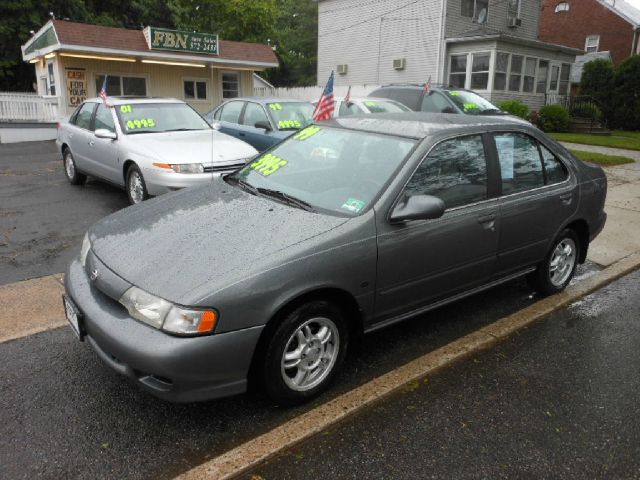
[254, 114]
[436, 103]
[454, 171]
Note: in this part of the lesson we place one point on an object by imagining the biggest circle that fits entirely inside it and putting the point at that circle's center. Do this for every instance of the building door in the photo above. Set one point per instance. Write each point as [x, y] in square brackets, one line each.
[554, 79]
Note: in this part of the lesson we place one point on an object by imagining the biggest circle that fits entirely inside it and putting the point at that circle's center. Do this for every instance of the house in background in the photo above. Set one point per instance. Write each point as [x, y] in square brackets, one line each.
[594, 25]
[490, 47]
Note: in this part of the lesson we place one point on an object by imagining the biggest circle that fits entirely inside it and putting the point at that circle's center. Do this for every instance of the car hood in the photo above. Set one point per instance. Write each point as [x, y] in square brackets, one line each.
[200, 146]
[216, 234]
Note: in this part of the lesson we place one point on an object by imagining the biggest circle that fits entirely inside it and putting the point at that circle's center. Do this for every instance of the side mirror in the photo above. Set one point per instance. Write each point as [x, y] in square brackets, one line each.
[418, 207]
[104, 133]
[216, 126]
[448, 110]
[264, 125]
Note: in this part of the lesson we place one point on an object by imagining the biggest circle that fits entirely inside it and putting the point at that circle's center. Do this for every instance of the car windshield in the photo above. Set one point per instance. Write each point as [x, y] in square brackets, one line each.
[326, 168]
[158, 117]
[471, 103]
[385, 106]
[290, 115]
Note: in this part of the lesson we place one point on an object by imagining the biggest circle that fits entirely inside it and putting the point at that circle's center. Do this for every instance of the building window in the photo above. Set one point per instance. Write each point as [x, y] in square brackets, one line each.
[51, 80]
[543, 73]
[500, 76]
[592, 43]
[195, 89]
[564, 79]
[553, 82]
[515, 75]
[480, 71]
[458, 70]
[562, 7]
[529, 79]
[230, 85]
[476, 9]
[123, 86]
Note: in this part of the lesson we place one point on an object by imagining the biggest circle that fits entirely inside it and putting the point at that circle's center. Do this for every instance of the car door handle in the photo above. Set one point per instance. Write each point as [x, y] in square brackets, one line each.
[566, 198]
[488, 222]
[91, 143]
[242, 134]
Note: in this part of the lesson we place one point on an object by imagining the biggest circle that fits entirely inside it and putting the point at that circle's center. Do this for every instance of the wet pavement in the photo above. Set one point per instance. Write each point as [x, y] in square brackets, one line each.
[557, 400]
[42, 217]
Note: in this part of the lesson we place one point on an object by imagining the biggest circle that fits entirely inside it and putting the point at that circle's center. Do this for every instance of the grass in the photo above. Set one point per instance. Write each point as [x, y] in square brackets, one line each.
[617, 139]
[601, 159]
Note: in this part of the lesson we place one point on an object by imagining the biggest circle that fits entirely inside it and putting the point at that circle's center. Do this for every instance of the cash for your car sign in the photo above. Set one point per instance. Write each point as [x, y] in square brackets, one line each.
[181, 41]
[76, 86]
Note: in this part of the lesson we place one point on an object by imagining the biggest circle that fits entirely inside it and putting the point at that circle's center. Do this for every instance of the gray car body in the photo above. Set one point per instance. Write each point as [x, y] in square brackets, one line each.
[250, 258]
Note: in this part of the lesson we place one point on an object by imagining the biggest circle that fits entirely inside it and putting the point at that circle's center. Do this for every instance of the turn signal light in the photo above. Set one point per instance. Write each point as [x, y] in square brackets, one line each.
[207, 321]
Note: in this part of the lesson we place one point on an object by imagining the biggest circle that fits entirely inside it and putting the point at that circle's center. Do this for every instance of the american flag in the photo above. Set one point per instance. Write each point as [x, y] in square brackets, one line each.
[427, 86]
[326, 104]
[103, 93]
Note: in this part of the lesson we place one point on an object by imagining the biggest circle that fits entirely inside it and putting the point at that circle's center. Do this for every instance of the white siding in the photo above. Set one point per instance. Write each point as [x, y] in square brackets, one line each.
[368, 36]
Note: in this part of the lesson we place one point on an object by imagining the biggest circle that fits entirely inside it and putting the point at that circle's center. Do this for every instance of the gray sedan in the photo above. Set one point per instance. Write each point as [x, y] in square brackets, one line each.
[344, 228]
[150, 146]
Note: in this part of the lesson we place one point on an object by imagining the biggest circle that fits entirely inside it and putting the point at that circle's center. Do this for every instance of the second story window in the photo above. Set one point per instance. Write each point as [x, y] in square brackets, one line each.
[592, 43]
[562, 7]
[476, 9]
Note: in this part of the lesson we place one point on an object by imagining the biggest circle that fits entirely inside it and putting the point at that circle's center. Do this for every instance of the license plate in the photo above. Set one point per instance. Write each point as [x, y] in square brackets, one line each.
[73, 316]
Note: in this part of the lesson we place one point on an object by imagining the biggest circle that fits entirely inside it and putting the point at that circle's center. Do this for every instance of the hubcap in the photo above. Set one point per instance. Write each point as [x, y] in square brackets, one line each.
[135, 187]
[310, 354]
[69, 167]
[562, 262]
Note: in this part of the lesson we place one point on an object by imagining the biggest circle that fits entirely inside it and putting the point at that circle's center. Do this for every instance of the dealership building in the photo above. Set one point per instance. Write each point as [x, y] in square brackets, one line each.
[72, 59]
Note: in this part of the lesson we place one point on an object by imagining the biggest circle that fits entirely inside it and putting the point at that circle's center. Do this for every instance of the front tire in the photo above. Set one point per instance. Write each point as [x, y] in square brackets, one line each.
[557, 269]
[70, 169]
[305, 352]
[136, 187]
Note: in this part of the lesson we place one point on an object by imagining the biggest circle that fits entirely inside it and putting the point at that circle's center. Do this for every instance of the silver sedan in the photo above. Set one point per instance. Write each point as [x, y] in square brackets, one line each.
[148, 146]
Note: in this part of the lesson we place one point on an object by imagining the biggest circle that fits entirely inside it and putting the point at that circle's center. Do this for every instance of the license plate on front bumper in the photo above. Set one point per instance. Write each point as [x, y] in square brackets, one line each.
[74, 317]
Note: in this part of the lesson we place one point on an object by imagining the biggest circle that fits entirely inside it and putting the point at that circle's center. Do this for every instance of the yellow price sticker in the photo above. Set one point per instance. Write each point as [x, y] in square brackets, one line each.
[289, 124]
[140, 123]
[306, 133]
[471, 106]
[454, 94]
[275, 106]
[126, 108]
[268, 164]
[371, 104]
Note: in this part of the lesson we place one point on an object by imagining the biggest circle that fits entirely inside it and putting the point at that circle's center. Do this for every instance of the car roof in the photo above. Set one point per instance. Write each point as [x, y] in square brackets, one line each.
[265, 100]
[368, 99]
[127, 100]
[419, 125]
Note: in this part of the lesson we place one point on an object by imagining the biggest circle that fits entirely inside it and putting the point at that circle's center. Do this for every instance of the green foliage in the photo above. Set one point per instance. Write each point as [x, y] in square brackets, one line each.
[626, 94]
[617, 139]
[587, 110]
[515, 107]
[597, 82]
[554, 118]
[601, 158]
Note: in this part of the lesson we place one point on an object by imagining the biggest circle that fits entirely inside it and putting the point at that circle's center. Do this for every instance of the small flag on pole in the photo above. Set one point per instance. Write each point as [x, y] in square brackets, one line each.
[326, 104]
[103, 93]
[427, 86]
[347, 98]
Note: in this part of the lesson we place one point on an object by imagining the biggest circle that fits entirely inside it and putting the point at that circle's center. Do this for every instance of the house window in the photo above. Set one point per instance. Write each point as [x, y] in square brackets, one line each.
[529, 79]
[553, 82]
[500, 76]
[195, 89]
[564, 79]
[51, 77]
[591, 43]
[562, 7]
[230, 85]
[123, 86]
[458, 70]
[543, 73]
[476, 9]
[515, 75]
[480, 71]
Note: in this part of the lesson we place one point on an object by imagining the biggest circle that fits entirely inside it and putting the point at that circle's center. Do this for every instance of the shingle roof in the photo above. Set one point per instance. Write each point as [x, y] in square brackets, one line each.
[97, 36]
[625, 9]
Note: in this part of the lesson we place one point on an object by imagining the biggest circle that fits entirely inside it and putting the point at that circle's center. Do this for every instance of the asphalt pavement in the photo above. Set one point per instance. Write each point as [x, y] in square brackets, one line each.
[42, 217]
[557, 400]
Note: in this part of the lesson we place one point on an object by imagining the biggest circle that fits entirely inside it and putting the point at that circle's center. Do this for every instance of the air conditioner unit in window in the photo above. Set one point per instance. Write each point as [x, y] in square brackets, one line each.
[342, 69]
[515, 22]
[399, 63]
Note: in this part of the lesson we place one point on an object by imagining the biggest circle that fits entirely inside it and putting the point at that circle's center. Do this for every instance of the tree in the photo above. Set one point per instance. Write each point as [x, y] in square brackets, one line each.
[597, 82]
[626, 94]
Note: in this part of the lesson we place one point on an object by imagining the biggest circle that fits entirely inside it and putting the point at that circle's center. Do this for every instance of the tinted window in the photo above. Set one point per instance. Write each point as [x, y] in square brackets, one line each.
[348, 109]
[104, 119]
[253, 114]
[556, 171]
[290, 115]
[231, 112]
[406, 96]
[520, 163]
[83, 119]
[455, 171]
[436, 103]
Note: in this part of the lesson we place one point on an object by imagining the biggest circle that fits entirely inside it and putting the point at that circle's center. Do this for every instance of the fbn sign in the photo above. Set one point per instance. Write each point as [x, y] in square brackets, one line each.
[181, 41]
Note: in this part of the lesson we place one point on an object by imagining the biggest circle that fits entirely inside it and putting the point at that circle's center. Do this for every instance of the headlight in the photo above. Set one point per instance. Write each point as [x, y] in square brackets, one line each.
[188, 168]
[164, 315]
[84, 251]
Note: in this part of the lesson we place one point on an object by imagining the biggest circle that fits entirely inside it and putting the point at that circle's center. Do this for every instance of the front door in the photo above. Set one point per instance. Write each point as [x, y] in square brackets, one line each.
[259, 138]
[422, 261]
[103, 152]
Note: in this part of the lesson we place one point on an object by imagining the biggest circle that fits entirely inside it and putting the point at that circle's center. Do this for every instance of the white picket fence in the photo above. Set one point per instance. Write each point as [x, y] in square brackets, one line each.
[312, 94]
[28, 107]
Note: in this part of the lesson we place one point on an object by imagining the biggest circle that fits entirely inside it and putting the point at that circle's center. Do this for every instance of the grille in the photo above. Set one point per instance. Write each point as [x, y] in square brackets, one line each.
[223, 168]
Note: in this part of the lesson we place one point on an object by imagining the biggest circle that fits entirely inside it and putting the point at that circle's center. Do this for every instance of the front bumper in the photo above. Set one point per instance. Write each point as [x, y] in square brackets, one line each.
[159, 181]
[173, 368]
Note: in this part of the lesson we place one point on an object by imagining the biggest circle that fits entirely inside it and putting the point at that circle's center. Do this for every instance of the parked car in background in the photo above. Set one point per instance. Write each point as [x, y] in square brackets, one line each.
[261, 121]
[149, 146]
[366, 105]
[347, 226]
[439, 99]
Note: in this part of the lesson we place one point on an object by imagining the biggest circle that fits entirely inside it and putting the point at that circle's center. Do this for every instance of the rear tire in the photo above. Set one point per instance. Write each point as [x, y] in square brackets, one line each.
[558, 267]
[70, 169]
[136, 187]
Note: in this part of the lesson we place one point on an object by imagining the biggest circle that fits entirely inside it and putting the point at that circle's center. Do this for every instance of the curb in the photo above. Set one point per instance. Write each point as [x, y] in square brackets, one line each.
[256, 451]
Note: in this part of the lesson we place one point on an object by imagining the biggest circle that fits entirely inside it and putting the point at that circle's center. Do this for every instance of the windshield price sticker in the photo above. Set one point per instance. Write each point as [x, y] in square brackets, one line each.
[126, 108]
[371, 104]
[471, 106]
[268, 164]
[353, 205]
[275, 106]
[306, 133]
[289, 124]
[454, 94]
[141, 123]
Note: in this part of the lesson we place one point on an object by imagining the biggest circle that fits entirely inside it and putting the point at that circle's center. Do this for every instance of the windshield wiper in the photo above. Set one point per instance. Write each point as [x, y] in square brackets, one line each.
[182, 129]
[243, 184]
[492, 111]
[296, 202]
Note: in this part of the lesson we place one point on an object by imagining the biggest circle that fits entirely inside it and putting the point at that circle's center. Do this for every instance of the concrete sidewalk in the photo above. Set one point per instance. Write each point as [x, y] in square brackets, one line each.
[39, 299]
